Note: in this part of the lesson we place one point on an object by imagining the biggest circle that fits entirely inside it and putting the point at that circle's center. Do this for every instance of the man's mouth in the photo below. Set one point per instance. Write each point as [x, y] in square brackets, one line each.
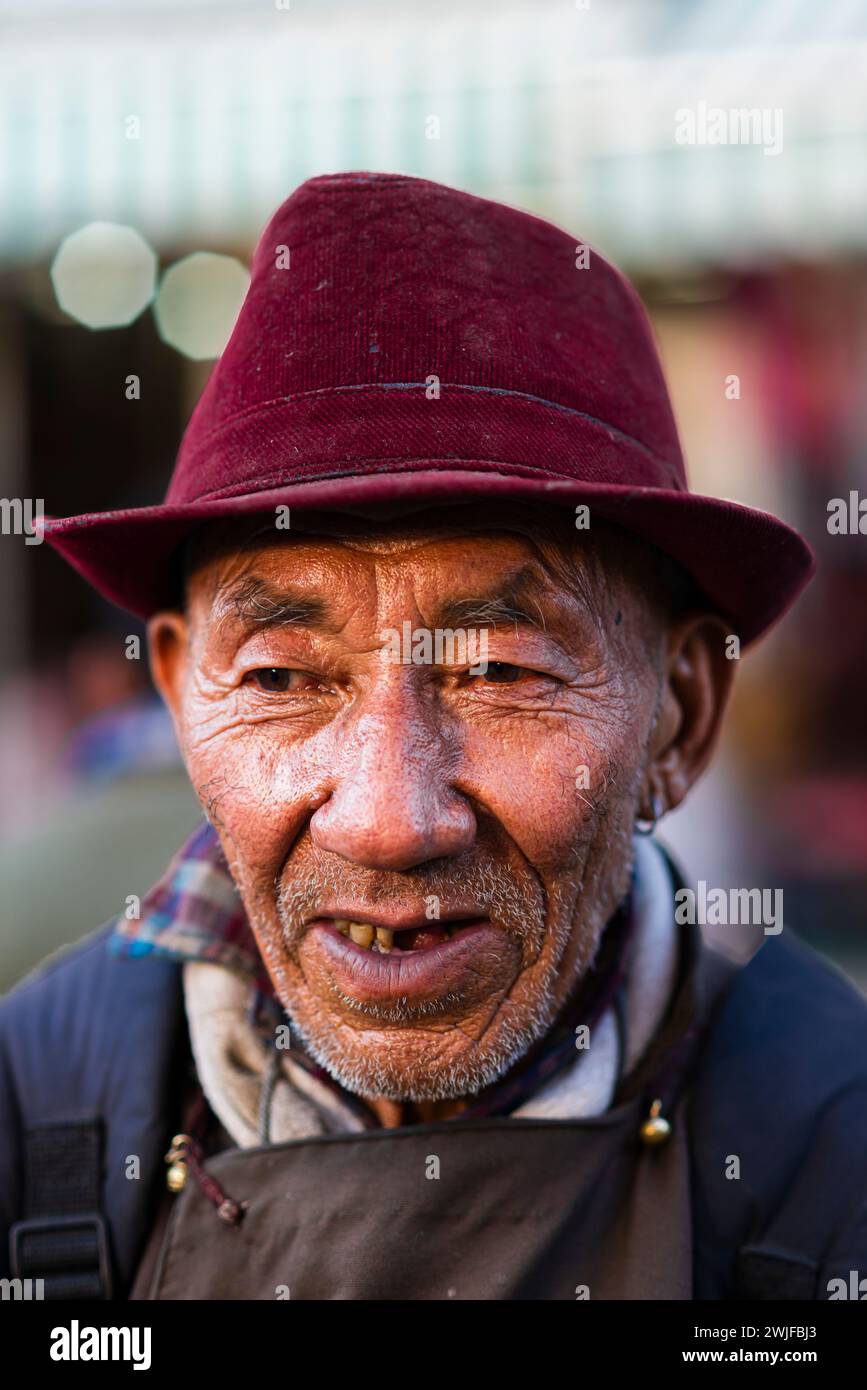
[385, 940]
[377, 961]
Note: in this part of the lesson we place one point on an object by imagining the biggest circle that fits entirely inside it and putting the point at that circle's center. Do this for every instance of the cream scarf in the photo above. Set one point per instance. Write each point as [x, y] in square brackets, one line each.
[261, 1095]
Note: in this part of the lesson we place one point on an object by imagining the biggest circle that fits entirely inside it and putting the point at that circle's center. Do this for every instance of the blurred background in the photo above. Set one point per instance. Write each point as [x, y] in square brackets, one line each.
[142, 149]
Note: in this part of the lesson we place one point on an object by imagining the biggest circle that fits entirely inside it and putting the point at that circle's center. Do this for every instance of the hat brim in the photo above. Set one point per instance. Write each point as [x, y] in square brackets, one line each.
[751, 565]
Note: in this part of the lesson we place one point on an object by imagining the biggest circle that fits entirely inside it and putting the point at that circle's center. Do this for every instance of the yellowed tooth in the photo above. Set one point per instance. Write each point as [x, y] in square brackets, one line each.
[385, 938]
[362, 933]
[342, 927]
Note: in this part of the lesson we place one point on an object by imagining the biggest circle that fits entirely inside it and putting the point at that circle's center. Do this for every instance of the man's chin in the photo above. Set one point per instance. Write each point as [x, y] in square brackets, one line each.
[372, 1077]
[402, 1062]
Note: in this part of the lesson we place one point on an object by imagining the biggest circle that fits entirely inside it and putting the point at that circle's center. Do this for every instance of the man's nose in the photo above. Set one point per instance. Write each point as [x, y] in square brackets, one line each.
[393, 805]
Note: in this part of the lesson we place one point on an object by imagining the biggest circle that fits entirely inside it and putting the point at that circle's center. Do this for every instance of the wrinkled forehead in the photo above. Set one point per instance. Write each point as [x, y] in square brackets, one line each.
[538, 543]
[467, 565]
[546, 533]
[384, 527]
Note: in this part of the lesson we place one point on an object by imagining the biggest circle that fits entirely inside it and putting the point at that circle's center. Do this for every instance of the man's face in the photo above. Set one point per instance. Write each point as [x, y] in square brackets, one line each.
[477, 826]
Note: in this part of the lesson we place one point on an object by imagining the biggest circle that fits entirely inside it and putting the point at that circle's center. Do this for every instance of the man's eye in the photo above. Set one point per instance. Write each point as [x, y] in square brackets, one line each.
[275, 678]
[502, 673]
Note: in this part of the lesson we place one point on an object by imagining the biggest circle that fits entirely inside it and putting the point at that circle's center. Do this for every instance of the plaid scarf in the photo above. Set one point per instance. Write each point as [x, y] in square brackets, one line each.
[195, 912]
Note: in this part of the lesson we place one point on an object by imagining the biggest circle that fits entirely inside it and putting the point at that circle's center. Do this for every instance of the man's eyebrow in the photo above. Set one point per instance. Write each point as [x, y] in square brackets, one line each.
[256, 604]
[513, 600]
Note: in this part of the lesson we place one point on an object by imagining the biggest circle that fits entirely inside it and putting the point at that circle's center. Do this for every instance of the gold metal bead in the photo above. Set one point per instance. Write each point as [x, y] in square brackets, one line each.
[176, 1157]
[176, 1177]
[656, 1129]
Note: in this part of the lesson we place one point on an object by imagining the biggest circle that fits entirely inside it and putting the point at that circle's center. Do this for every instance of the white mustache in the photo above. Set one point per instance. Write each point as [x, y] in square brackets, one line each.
[480, 889]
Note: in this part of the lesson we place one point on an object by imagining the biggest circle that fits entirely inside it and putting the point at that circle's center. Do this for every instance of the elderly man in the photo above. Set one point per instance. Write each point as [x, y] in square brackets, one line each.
[443, 634]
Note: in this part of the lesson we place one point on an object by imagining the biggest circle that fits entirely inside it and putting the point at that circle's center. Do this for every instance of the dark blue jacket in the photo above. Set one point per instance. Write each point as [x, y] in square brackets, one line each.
[98, 1045]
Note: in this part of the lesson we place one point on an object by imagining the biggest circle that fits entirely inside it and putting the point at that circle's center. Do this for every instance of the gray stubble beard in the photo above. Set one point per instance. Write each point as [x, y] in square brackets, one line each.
[371, 1072]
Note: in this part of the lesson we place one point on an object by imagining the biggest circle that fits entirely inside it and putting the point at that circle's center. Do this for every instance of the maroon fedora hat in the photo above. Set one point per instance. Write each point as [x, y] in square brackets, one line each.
[403, 342]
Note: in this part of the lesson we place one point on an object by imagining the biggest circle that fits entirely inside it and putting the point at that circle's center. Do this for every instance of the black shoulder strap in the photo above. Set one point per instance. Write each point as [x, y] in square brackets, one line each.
[62, 1242]
[89, 1078]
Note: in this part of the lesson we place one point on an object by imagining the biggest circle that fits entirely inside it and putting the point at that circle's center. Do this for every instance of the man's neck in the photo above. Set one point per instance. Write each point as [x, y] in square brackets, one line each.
[392, 1114]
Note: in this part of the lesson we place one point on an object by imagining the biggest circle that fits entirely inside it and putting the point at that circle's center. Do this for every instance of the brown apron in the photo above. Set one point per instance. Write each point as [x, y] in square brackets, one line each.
[496, 1208]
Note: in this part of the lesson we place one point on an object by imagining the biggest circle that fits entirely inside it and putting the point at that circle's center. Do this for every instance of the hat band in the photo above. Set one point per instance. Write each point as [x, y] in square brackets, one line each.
[401, 424]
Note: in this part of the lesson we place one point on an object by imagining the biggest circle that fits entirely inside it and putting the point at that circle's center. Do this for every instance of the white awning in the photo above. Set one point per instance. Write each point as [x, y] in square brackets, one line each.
[192, 122]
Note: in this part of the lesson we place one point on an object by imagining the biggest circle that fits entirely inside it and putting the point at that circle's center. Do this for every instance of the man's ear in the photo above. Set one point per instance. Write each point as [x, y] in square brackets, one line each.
[697, 682]
[169, 648]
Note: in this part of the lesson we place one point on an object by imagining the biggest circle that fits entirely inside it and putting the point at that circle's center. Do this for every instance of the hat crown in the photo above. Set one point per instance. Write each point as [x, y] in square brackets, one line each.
[392, 322]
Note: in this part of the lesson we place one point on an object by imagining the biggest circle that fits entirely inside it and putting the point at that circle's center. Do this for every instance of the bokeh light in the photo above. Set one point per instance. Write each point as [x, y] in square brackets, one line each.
[198, 303]
[104, 275]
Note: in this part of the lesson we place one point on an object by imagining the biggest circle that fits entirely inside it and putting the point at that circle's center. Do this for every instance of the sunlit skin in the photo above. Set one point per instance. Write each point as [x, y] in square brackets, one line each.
[340, 781]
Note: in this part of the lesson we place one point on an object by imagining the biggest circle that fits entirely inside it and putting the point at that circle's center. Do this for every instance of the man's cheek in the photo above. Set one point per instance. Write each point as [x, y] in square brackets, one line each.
[599, 761]
[550, 793]
[248, 792]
